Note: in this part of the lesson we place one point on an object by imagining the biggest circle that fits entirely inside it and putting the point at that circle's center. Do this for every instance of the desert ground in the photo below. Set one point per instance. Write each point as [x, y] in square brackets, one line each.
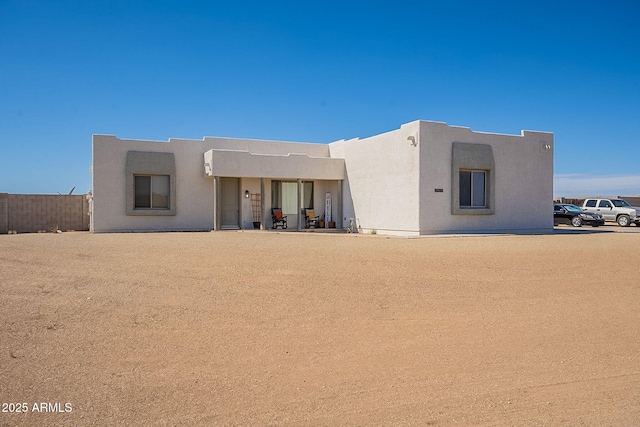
[310, 329]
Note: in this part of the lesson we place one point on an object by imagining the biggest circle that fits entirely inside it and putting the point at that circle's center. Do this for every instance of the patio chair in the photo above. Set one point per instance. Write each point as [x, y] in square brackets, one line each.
[278, 219]
[310, 218]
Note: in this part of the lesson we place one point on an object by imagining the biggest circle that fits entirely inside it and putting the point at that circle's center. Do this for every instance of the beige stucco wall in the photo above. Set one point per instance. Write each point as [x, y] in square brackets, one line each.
[382, 181]
[389, 180]
[246, 208]
[194, 190]
[523, 180]
[236, 163]
[194, 194]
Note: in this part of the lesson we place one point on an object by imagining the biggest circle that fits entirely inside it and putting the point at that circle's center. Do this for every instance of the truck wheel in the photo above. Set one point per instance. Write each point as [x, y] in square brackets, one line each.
[576, 221]
[623, 221]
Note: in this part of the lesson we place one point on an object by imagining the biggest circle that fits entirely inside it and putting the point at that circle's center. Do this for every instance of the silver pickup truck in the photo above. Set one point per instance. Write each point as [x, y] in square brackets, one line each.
[615, 210]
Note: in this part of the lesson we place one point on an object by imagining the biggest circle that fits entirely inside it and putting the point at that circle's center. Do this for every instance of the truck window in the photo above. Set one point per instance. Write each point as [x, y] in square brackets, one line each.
[591, 203]
[604, 204]
[619, 203]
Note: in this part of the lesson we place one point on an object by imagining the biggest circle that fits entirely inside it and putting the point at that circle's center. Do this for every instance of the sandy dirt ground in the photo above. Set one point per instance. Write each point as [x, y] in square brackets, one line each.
[297, 329]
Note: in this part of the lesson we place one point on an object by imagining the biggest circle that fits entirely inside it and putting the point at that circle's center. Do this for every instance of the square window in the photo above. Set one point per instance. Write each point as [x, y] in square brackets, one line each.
[151, 192]
[472, 189]
[151, 184]
[472, 179]
[284, 195]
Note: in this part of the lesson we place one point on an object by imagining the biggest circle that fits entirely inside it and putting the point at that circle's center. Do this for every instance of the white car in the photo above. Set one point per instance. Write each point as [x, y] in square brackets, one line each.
[614, 210]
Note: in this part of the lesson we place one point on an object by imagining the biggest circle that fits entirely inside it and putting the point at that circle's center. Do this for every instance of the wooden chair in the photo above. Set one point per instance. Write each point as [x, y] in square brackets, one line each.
[278, 219]
[310, 218]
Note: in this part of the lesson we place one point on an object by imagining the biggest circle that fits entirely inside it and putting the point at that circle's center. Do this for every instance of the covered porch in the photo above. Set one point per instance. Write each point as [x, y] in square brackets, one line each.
[247, 186]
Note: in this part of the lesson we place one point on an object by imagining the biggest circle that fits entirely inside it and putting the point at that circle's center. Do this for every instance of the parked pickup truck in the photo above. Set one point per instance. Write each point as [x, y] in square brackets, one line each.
[616, 210]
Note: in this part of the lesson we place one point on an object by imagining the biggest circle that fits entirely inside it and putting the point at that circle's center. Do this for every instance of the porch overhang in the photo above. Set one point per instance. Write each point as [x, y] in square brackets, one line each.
[243, 164]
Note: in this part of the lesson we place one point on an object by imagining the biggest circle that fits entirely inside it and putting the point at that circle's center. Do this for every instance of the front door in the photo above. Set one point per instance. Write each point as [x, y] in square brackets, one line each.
[230, 206]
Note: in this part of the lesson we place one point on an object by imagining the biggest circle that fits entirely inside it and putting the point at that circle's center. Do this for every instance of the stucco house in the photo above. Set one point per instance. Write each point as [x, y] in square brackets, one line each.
[423, 178]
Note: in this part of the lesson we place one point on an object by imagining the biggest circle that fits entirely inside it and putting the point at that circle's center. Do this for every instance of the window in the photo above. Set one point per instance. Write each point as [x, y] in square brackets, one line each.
[591, 203]
[307, 194]
[151, 191]
[473, 179]
[472, 189]
[151, 184]
[619, 203]
[284, 195]
[572, 208]
[604, 204]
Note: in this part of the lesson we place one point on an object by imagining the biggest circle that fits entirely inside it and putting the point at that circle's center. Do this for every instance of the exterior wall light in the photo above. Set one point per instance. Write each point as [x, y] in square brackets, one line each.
[413, 139]
[246, 194]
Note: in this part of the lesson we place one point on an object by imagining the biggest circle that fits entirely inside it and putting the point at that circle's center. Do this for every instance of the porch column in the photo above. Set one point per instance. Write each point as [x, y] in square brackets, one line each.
[216, 202]
[339, 223]
[299, 204]
[264, 215]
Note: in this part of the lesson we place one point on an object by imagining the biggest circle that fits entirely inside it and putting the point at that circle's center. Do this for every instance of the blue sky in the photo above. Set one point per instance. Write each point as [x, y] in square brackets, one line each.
[317, 71]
